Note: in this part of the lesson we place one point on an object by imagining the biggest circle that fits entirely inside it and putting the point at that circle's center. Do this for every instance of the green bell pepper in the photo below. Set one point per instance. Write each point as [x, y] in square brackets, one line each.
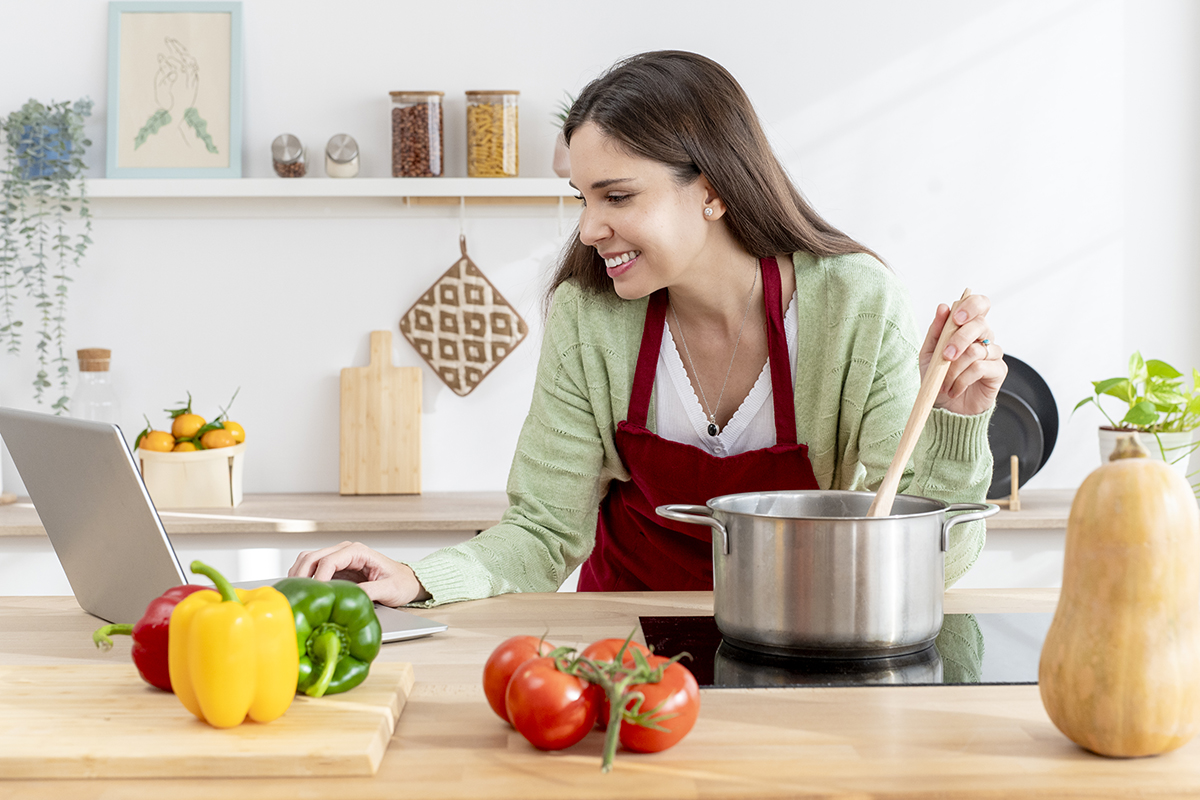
[337, 633]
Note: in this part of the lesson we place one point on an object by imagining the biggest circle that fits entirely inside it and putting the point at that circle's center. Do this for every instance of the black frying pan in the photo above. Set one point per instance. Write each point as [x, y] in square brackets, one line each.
[1014, 430]
[1024, 424]
[1024, 381]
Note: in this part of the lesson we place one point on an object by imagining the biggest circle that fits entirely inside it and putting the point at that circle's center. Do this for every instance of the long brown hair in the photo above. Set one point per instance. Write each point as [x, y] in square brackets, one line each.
[687, 112]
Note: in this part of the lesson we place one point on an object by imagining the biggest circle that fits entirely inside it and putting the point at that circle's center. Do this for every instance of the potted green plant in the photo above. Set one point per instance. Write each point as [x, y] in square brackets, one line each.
[562, 157]
[44, 230]
[1156, 404]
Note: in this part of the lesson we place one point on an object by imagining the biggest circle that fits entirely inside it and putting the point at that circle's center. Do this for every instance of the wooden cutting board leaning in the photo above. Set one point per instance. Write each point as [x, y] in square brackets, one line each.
[103, 721]
[381, 425]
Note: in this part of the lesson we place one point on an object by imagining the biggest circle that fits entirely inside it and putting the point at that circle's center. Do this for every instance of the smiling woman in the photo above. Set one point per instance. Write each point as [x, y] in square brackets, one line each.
[687, 115]
[691, 232]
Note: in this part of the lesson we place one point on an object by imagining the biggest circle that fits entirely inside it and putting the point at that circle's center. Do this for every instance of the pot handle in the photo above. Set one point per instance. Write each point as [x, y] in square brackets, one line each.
[697, 515]
[979, 511]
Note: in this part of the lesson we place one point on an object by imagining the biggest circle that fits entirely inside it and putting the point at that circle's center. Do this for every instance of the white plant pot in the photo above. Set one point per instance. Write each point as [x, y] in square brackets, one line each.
[1177, 447]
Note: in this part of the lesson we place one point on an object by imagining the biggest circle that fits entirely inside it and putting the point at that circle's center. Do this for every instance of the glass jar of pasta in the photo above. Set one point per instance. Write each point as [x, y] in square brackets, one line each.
[417, 134]
[492, 134]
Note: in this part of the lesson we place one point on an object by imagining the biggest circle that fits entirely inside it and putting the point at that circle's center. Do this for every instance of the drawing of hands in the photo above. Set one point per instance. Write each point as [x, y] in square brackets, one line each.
[178, 73]
[177, 67]
[177, 81]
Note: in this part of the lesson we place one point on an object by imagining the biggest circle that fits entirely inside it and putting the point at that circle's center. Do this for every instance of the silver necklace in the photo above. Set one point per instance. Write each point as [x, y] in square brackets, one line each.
[713, 430]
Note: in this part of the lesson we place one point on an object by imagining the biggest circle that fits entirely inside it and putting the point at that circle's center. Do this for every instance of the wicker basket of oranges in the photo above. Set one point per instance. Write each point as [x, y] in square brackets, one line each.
[195, 464]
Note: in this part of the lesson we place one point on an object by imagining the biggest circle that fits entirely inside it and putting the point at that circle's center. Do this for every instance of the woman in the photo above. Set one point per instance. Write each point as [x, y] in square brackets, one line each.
[709, 333]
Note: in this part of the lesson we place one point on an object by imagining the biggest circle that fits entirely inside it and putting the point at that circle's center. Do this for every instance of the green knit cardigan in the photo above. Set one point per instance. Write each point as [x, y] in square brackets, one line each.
[857, 376]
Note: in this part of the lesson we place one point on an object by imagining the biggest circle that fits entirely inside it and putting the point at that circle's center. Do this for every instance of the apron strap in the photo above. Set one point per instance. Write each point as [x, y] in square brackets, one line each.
[647, 363]
[782, 390]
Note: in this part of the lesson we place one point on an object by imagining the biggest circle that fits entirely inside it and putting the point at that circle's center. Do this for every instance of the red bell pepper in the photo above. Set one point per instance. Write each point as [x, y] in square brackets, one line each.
[150, 636]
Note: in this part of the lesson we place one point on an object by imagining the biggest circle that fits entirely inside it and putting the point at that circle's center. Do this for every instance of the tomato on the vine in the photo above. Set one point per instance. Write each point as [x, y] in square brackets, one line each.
[679, 695]
[503, 662]
[606, 650]
[550, 708]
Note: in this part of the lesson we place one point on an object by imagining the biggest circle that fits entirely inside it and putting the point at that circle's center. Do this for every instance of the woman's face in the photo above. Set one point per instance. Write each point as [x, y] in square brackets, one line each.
[647, 227]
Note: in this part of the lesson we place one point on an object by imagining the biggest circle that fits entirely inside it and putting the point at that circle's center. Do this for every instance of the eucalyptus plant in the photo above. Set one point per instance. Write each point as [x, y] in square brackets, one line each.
[44, 196]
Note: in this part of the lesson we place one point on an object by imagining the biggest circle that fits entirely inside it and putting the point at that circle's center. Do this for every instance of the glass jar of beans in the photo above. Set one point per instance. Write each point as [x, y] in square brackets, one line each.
[417, 134]
[492, 134]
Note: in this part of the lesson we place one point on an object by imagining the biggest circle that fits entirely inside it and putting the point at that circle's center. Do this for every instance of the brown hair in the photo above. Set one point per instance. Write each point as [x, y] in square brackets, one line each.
[687, 112]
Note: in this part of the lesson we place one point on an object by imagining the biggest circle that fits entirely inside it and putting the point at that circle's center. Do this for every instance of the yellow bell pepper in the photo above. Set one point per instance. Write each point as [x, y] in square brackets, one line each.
[232, 652]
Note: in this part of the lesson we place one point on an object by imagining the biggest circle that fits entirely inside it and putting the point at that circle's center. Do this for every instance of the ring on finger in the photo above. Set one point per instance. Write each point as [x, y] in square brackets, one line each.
[987, 352]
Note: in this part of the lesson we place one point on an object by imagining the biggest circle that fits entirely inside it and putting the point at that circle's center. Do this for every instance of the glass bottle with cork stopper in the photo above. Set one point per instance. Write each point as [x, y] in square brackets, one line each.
[95, 397]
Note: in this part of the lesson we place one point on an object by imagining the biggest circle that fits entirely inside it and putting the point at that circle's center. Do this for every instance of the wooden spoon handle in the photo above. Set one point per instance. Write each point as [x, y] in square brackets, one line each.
[931, 385]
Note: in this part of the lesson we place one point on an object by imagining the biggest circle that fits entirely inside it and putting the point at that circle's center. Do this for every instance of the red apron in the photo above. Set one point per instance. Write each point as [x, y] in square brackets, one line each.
[637, 550]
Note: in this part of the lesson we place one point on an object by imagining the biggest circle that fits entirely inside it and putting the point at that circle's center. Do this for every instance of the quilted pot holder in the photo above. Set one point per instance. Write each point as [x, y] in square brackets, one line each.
[462, 326]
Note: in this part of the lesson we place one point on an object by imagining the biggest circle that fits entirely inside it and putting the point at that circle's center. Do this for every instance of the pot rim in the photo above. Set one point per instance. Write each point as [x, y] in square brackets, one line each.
[944, 506]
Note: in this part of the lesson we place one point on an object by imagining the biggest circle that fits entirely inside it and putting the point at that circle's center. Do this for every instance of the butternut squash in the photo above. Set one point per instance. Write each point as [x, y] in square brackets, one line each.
[1120, 668]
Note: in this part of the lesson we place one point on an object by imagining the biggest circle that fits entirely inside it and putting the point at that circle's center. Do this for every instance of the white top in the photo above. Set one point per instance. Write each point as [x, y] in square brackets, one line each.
[679, 416]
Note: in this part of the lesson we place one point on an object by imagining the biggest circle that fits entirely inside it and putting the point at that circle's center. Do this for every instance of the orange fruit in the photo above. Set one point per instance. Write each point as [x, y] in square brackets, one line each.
[239, 433]
[186, 425]
[218, 438]
[184, 447]
[159, 441]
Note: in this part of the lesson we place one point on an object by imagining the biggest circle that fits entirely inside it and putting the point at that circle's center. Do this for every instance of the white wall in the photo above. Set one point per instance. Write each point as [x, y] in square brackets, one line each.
[1040, 151]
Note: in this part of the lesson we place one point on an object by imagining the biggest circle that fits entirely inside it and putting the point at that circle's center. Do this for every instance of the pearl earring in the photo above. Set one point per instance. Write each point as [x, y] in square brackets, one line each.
[708, 212]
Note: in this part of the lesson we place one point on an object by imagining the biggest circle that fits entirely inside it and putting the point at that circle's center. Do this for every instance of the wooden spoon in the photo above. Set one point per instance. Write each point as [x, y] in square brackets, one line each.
[931, 384]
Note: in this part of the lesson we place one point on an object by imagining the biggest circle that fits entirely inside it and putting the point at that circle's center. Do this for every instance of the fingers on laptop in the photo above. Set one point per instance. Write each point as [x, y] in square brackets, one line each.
[307, 561]
[349, 560]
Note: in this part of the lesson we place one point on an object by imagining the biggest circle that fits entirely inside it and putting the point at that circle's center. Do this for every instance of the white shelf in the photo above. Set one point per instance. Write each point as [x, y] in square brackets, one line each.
[545, 189]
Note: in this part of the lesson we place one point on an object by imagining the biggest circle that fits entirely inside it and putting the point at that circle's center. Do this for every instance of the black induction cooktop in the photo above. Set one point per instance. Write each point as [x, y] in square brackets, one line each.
[971, 649]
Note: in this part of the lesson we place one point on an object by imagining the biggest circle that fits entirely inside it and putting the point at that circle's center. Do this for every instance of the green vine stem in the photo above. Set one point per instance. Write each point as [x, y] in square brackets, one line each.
[615, 678]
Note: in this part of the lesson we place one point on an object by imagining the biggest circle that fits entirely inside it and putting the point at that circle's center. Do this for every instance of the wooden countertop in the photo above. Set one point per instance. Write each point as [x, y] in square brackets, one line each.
[960, 741]
[310, 513]
[432, 511]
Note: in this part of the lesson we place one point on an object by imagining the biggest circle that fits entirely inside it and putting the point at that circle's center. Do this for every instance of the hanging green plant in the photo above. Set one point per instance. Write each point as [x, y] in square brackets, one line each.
[44, 197]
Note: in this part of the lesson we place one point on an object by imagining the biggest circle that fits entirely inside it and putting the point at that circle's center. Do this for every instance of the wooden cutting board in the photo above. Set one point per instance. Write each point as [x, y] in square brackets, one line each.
[381, 424]
[103, 721]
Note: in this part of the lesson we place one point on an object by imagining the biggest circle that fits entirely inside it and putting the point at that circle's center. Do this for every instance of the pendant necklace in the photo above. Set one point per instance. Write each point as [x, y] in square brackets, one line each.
[713, 430]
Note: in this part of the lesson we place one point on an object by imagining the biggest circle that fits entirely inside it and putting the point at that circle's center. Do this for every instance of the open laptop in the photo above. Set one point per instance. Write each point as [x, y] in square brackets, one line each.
[87, 489]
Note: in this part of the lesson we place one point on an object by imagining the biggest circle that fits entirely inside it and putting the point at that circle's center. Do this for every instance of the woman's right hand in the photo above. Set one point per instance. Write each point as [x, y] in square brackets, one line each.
[384, 580]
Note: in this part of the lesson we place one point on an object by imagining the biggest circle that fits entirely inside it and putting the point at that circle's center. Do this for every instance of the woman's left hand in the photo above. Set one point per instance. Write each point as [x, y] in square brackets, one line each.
[977, 367]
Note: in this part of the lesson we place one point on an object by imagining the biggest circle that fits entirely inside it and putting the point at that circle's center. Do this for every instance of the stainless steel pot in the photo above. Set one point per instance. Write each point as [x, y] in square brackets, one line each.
[808, 573]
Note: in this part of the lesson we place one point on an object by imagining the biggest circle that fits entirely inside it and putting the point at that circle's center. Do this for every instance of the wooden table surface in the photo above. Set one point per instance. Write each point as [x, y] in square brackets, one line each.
[432, 511]
[956, 741]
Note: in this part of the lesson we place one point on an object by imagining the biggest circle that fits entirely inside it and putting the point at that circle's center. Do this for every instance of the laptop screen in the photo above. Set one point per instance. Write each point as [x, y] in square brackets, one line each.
[85, 485]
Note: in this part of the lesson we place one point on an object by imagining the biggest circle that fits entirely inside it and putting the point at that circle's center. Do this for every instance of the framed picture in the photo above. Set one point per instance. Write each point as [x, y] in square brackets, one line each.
[174, 90]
